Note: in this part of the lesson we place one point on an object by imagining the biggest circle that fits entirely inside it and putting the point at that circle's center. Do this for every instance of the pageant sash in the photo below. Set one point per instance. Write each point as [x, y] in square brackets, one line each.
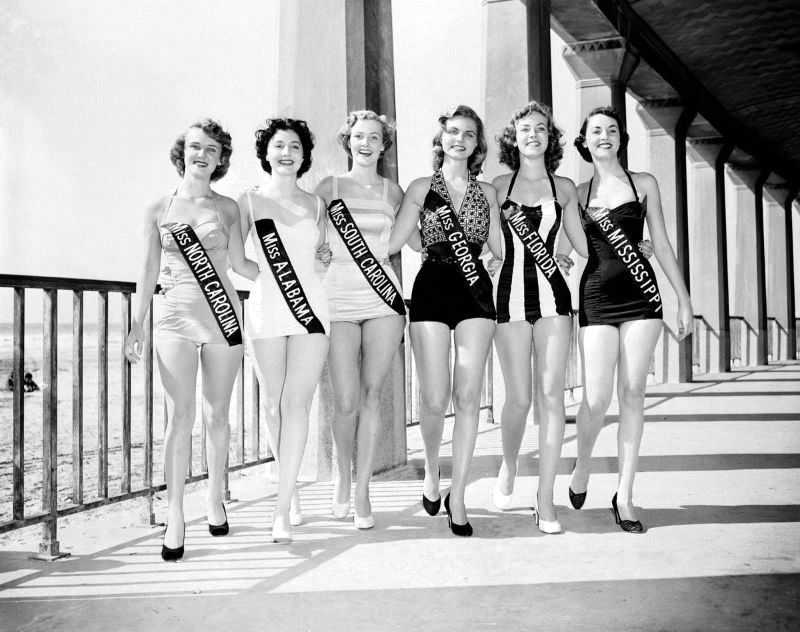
[207, 277]
[480, 287]
[638, 268]
[535, 245]
[370, 267]
[285, 276]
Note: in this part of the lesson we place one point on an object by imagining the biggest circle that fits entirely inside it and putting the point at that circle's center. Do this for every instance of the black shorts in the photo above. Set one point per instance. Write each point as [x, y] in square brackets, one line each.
[441, 294]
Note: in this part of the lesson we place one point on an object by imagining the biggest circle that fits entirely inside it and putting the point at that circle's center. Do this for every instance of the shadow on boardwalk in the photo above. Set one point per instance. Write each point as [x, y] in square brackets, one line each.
[718, 488]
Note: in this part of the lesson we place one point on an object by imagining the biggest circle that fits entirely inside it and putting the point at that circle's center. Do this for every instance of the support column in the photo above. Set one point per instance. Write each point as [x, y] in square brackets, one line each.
[661, 120]
[370, 85]
[505, 73]
[705, 238]
[775, 271]
[355, 72]
[619, 90]
[788, 208]
[540, 83]
[743, 281]
[723, 291]
[602, 69]
[761, 276]
[682, 231]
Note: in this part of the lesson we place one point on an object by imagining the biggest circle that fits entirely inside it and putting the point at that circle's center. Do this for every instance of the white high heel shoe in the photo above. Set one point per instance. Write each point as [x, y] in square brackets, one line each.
[295, 511]
[280, 532]
[339, 510]
[545, 526]
[363, 522]
[502, 501]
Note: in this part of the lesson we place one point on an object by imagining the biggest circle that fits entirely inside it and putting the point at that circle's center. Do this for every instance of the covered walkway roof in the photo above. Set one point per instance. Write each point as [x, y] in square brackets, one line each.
[736, 63]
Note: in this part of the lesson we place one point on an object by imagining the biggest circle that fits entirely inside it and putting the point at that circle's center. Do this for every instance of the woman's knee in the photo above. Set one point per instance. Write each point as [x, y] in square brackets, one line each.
[631, 395]
[596, 404]
[466, 397]
[434, 403]
[371, 395]
[346, 404]
[550, 397]
[217, 418]
[295, 403]
[517, 403]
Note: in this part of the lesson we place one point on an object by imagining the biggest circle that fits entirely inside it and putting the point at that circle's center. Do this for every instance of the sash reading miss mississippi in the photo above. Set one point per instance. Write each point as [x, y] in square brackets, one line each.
[638, 269]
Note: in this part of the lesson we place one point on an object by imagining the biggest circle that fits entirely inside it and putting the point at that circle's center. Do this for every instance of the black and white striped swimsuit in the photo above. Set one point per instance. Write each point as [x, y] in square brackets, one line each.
[521, 290]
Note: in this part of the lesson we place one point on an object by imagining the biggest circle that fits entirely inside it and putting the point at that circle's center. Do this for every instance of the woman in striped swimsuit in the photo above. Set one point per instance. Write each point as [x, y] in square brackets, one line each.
[532, 298]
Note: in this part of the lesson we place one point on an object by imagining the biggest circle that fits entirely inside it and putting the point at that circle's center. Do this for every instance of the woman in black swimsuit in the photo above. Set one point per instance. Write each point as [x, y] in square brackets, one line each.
[452, 293]
[620, 305]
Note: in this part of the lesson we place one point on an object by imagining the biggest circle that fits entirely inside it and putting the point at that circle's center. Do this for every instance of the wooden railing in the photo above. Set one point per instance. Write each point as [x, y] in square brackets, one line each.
[245, 423]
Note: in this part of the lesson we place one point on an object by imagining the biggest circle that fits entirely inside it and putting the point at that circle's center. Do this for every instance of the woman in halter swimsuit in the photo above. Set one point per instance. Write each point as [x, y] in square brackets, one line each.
[188, 338]
[365, 330]
[620, 307]
[443, 302]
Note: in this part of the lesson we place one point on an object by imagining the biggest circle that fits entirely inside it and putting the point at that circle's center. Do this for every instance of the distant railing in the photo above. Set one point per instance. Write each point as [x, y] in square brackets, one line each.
[246, 423]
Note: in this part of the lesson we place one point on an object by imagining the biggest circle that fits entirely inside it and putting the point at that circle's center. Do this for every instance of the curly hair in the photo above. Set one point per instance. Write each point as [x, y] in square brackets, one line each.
[475, 161]
[610, 112]
[387, 128]
[272, 126]
[509, 152]
[214, 131]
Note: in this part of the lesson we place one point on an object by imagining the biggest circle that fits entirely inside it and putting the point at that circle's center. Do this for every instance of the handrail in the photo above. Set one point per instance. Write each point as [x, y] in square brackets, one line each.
[52, 507]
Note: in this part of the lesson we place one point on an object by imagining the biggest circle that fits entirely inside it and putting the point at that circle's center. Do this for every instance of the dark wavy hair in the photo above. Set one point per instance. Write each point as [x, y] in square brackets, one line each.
[610, 112]
[272, 126]
[214, 131]
[475, 161]
[387, 128]
[509, 152]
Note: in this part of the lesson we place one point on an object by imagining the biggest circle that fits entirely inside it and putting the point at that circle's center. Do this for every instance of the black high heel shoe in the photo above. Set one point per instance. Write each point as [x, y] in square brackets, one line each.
[432, 506]
[172, 555]
[464, 530]
[576, 500]
[220, 529]
[631, 526]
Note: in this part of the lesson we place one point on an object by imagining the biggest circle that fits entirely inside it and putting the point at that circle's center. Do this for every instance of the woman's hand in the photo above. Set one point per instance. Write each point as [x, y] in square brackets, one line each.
[685, 320]
[134, 343]
[565, 263]
[324, 253]
[166, 281]
[646, 248]
[493, 265]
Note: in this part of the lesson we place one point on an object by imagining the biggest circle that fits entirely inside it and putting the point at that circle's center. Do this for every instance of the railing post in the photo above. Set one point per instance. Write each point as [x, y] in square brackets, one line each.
[148, 420]
[409, 377]
[77, 397]
[125, 369]
[48, 547]
[19, 404]
[490, 385]
[102, 394]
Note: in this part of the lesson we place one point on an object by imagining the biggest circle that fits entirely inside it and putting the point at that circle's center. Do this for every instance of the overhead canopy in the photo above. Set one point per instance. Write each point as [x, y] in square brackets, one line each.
[737, 62]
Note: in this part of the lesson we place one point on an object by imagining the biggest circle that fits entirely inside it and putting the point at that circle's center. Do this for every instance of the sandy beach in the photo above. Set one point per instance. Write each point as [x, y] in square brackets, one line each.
[33, 419]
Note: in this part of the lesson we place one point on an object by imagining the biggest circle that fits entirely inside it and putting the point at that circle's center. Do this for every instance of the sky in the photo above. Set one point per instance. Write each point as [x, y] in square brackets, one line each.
[92, 95]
